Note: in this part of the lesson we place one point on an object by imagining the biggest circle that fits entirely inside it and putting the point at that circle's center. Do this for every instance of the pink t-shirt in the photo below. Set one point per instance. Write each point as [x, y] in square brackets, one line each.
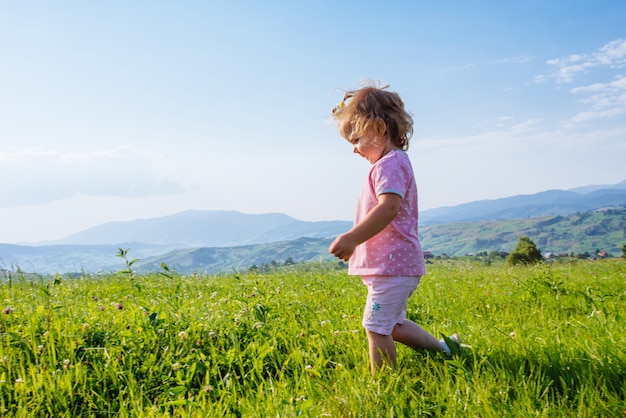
[396, 250]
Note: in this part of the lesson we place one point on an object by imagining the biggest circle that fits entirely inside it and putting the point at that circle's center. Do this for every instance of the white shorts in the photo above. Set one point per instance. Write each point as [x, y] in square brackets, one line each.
[386, 303]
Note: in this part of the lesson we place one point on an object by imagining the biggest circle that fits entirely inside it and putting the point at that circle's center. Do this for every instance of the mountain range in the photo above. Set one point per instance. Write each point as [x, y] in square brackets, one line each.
[195, 228]
[551, 202]
[208, 240]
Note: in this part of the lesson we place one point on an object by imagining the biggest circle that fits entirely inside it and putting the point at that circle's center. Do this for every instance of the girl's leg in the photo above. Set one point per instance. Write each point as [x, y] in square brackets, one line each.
[382, 350]
[414, 336]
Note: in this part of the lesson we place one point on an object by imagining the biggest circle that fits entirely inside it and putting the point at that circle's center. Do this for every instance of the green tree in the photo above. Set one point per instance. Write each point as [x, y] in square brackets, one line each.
[525, 252]
[624, 251]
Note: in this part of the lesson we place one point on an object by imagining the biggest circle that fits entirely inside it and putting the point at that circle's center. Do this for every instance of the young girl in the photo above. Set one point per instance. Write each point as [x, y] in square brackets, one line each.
[383, 247]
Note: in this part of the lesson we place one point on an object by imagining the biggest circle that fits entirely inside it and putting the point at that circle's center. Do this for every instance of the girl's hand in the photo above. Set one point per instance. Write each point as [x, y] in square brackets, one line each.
[375, 221]
[343, 246]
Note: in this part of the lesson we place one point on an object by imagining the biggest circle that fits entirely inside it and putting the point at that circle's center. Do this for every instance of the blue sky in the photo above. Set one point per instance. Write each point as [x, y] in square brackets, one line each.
[117, 110]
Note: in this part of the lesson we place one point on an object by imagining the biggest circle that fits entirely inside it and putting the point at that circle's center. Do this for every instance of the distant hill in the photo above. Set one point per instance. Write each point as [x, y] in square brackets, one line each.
[50, 259]
[240, 258]
[208, 228]
[584, 232]
[103, 258]
[599, 229]
[551, 202]
[594, 187]
[213, 241]
[603, 229]
[195, 228]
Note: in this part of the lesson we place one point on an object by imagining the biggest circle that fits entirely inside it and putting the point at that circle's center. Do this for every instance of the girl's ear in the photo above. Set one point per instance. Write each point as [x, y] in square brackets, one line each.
[381, 127]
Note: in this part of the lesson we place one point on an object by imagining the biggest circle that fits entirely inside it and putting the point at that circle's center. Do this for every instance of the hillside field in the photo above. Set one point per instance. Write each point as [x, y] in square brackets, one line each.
[580, 233]
[574, 234]
[545, 341]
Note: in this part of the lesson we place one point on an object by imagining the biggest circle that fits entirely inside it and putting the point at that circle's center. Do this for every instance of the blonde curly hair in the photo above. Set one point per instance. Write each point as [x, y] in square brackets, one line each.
[374, 110]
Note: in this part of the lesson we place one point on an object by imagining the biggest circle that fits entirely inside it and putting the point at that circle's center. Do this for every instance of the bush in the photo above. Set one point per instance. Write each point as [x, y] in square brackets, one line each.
[525, 252]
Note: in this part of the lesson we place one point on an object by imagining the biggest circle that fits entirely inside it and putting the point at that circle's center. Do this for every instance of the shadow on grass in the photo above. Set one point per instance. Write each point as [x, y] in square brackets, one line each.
[553, 373]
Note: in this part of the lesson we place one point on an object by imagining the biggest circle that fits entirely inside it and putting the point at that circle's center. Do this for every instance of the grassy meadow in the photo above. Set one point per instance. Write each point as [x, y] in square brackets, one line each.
[543, 341]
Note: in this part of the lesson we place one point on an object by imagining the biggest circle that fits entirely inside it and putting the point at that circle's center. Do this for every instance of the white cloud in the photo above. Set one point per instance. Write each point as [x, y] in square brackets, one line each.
[589, 89]
[611, 55]
[40, 175]
[522, 59]
[598, 114]
[606, 100]
[613, 86]
[603, 100]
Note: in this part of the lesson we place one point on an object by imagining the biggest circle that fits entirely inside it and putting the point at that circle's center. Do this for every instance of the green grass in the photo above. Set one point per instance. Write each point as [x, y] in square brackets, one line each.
[546, 341]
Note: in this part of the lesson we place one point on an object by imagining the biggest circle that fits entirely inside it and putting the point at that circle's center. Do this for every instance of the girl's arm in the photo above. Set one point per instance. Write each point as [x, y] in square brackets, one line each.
[375, 221]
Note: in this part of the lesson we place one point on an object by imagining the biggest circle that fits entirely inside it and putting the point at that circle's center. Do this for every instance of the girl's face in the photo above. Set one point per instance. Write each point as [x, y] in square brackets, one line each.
[371, 148]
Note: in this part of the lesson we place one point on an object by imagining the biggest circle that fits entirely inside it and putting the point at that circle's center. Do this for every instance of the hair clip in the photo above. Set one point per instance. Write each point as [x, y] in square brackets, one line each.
[339, 106]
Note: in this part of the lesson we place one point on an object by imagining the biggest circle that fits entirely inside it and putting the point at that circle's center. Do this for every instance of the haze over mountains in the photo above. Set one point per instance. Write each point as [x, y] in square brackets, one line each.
[551, 202]
[158, 238]
[209, 228]
[195, 228]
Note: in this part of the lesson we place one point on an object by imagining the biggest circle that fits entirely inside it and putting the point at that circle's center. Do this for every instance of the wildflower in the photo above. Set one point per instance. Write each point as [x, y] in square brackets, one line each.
[182, 335]
[175, 366]
[160, 331]
[512, 334]
[212, 334]
[101, 307]
[95, 298]
[85, 327]
[8, 310]
[308, 367]
[19, 380]
[66, 363]
[119, 306]
[39, 349]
